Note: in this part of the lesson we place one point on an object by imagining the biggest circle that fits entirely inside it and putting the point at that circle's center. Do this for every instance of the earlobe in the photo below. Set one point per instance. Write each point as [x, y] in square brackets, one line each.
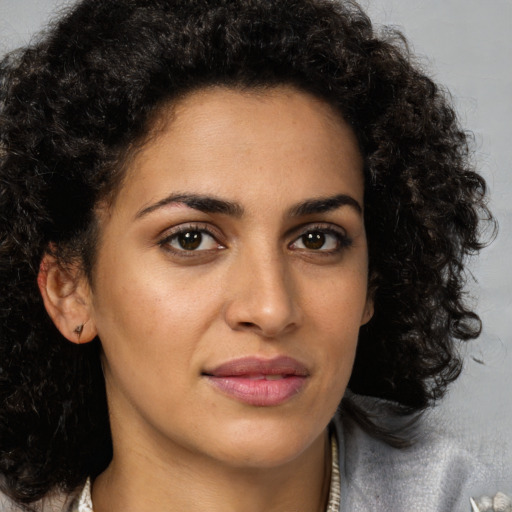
[67, 299]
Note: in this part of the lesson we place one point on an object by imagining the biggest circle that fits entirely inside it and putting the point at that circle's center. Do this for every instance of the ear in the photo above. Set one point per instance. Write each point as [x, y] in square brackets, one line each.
[368, 311]
[67, 298]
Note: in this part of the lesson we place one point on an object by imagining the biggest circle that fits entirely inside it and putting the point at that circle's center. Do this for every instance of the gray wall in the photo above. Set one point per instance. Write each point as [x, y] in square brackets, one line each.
[469, 49]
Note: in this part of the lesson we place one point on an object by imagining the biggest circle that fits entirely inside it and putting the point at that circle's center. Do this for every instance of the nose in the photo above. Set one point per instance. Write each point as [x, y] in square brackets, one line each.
[263, 297]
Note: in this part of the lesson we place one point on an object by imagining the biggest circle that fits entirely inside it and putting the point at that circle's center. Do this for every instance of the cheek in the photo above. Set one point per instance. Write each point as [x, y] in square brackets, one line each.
[148, 336]
[338, 302]
[133, 295]
[337, 312]
[151, 317]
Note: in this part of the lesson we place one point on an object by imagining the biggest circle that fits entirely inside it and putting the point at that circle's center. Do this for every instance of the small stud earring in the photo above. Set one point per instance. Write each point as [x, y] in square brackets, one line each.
[78, 330]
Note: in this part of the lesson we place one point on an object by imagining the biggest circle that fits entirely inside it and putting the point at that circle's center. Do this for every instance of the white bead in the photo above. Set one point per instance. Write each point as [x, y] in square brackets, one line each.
[502, 503]
[484, 503]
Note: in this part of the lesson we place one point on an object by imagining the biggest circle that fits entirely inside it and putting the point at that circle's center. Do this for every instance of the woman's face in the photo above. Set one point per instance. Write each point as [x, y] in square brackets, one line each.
[231, 279]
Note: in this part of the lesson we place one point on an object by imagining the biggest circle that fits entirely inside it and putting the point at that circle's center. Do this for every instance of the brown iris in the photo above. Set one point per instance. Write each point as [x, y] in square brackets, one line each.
[314, 240]
[190, 240]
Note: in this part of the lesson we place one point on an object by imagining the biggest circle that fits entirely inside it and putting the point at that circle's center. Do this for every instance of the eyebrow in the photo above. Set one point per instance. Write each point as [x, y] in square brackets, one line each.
[208, 204]
[202, 203]
[323, 205]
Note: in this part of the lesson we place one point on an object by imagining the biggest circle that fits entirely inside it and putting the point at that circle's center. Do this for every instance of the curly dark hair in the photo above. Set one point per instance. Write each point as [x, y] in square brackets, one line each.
[73, 104]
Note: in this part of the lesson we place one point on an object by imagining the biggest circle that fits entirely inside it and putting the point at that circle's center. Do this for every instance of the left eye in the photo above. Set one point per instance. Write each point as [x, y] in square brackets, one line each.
[192, 240]
[318, 241]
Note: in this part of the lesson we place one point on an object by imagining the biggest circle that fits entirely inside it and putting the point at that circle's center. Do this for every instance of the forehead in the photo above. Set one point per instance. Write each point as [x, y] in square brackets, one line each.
[246, 143]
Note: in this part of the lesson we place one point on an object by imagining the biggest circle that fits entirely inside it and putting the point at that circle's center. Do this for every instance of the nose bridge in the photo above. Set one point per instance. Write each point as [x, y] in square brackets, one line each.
[263, 296]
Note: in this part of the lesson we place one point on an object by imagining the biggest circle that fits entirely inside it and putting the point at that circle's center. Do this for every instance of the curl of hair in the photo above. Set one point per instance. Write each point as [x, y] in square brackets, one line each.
[74, 103]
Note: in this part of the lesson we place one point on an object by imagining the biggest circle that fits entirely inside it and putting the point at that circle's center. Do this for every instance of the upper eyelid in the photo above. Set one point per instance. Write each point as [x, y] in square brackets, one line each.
[318, 226]
[190, 226]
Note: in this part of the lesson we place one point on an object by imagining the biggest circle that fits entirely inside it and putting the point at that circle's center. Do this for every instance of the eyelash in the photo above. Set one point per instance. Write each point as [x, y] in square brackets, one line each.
[341, 239]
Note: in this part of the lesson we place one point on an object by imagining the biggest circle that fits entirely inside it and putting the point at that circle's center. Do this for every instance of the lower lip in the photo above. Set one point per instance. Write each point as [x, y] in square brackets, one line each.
[261, 393]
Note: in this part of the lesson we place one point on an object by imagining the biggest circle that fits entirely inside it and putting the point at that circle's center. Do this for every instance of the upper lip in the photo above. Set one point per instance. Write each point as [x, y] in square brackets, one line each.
[281, 365]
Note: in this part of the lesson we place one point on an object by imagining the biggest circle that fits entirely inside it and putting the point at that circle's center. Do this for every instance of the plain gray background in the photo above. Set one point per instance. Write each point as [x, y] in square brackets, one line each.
[466, 45]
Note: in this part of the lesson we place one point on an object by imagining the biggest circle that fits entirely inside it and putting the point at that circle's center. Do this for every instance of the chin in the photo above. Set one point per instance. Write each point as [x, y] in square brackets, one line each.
[253, 445]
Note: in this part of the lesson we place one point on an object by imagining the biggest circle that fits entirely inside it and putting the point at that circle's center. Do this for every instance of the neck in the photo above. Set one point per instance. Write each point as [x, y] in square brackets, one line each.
[138, 481]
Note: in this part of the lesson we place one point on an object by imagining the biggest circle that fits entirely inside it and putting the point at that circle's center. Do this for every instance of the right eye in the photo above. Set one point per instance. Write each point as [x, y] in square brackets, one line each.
[189, 239]
[192, 241]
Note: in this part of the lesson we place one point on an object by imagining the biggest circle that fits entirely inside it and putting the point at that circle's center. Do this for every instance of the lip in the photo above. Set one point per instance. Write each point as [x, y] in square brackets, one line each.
[259, 382]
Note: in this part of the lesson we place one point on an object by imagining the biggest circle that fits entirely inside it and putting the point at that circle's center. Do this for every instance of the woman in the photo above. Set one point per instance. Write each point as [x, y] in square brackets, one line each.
[218, 218]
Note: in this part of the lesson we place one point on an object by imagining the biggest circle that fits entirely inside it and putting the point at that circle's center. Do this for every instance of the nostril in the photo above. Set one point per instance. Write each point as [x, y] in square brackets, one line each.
[268, 310]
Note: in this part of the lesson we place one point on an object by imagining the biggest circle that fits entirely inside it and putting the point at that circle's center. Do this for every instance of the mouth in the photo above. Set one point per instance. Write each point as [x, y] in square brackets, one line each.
[259, 382]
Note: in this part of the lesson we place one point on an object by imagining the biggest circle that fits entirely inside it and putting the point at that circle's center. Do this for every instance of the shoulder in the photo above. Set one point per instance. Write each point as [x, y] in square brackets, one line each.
[435, 474]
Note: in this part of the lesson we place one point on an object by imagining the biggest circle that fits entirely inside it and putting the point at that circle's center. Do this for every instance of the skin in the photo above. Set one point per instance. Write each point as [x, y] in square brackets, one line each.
[254, 287]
